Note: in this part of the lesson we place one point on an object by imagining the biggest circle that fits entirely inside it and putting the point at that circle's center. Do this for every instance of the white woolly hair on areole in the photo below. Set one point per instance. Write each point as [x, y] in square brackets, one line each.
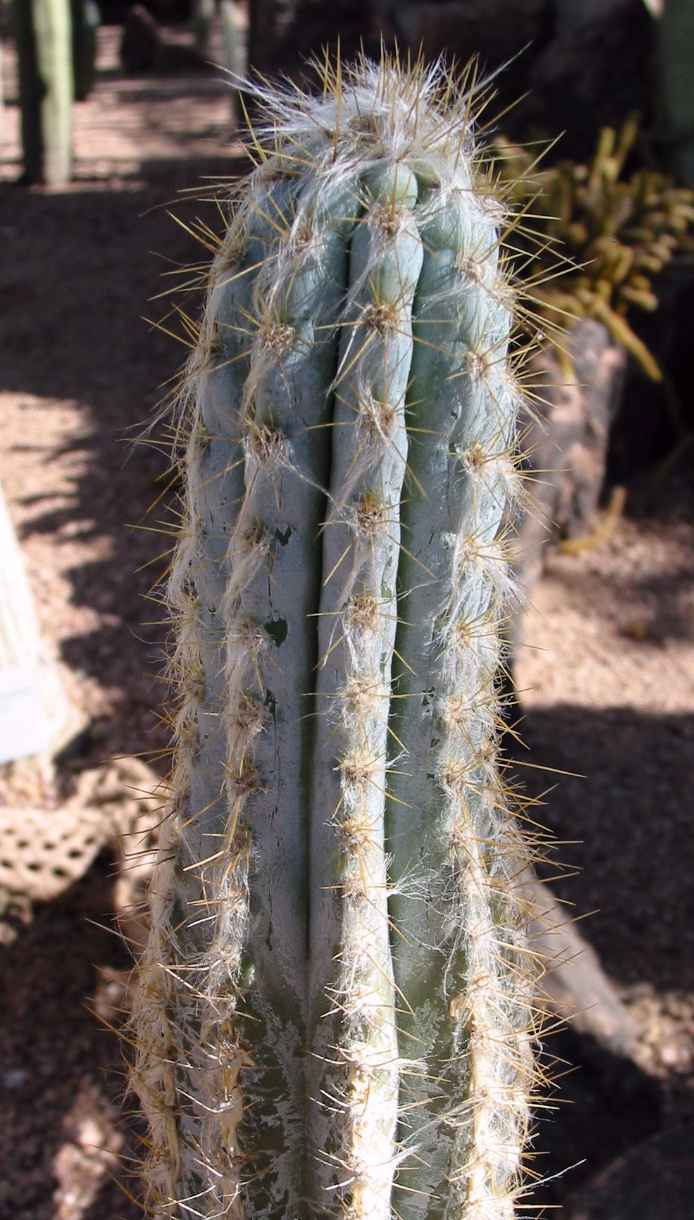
[336, 1009]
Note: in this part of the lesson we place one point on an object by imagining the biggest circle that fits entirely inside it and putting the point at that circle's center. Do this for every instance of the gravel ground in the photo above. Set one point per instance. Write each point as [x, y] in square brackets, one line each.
[607, 680]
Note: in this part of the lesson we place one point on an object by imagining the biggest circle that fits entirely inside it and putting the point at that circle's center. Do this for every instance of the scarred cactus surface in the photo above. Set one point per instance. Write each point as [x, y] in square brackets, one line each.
[334, 1013]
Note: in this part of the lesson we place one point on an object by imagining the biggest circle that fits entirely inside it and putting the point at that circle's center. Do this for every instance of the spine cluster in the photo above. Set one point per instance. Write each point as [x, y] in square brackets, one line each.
[334, 1011]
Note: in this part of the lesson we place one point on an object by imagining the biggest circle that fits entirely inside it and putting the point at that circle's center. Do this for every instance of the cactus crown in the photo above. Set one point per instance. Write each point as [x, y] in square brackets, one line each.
[335, 1008]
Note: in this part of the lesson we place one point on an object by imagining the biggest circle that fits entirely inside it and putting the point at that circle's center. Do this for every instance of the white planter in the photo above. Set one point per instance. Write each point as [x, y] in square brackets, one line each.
[33, 706]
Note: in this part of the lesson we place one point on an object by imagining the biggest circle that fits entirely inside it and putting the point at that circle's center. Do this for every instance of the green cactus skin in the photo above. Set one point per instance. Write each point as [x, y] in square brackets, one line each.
[233, 41]
[676, 97]
[334, 1013]
[203, 17]
[43, 31]
[85, 24]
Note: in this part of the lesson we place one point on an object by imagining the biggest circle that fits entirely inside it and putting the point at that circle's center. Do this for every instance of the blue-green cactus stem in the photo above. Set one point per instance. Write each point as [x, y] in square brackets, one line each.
[444, 832]
[333, 1010]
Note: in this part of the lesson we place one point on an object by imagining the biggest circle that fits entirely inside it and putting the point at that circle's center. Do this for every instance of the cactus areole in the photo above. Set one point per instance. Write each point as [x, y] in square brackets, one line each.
[334, 1012]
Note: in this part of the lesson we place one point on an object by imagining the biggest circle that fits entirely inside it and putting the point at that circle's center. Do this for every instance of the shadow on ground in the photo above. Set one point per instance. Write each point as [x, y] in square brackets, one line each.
[635, 854]
[80, 271]
[62, 1143]
[628, 818]
[637, 870]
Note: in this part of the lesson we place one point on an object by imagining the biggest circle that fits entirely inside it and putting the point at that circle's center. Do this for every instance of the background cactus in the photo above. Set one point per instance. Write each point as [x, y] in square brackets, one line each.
[610, 234]
[234, 44]
[85, 24]
[675, 102]
[334, 1012]
[43, 31]
[203, 17]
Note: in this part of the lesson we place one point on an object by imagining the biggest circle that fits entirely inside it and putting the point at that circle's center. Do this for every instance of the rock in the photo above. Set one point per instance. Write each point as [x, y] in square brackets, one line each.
[566, 435]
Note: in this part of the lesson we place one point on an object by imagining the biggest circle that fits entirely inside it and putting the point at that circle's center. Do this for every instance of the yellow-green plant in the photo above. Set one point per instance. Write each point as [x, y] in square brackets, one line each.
[334, 1013]
[605, 235]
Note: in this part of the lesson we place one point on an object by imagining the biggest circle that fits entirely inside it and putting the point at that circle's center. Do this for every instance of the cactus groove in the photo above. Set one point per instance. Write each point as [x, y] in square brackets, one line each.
[334, 1013]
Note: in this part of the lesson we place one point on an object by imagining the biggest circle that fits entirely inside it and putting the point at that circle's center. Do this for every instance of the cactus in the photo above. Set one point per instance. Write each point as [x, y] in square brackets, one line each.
[234, 44]
[44, 49]
[334, 1011]
[85, 24]
[675, 101]
[203, 19]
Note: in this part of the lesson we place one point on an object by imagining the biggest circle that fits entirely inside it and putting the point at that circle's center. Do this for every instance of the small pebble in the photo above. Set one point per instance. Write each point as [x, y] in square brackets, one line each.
[676, 1054]
[15, 1078]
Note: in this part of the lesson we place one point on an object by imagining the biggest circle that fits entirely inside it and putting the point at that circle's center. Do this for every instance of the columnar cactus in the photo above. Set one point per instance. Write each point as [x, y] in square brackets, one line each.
[334, 1012]
[234, 44]
[203, 18]
[675, 104]
[86, 19]
[43, 31]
